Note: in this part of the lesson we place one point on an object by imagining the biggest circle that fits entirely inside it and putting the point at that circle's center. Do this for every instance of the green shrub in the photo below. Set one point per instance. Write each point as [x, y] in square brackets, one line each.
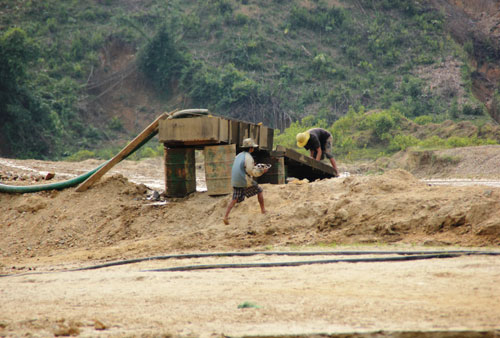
[115, 124]
[191, 24]
[423, 119]
[474, 110]
[27, 124]
[380, 123]
[241, 19]
[161, 59]
[456, 141]
[52, 25]
[322, 66]
[402, 142]
[78, 47]
[319, 18]
[146, 152]
[81, 155]
[432, 142]
[223, 6]
[220, 88]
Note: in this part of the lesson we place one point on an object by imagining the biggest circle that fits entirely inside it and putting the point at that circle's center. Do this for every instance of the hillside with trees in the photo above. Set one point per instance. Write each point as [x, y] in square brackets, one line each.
[84, 77]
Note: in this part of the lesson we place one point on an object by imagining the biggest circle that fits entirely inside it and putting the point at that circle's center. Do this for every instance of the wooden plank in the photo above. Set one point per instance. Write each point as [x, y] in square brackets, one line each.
[224, 130]
[277, 153]
[151, 129]
[296, 156]
[243, 133]
[213, 130]
[270, 138]
[266, 138]
[302, 166]
[204, 128]
[253, 131]
[263, 138]
[235, 129]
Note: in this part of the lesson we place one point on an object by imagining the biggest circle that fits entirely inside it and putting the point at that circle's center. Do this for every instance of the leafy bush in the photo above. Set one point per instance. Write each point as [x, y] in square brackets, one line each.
[115, 124]
[191, 24]
[456, 141]
[402, 142]
[218, 88]
[423, 119]
[380, 123]
[241, 19]
[81, 155]
[26, 122]
[468, 109]
[161, 59]
[320, 18]
[322, 66]
[432, 142]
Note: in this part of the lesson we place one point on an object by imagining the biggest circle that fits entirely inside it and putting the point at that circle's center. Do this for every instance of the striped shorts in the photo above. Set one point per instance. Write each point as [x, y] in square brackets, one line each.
[239, 194]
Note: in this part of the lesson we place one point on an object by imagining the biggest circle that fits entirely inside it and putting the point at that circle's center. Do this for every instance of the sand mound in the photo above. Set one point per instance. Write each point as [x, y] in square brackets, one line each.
[114, 218]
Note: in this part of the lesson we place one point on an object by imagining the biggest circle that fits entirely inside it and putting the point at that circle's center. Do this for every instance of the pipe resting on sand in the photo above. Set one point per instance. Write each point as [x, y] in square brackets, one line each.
[79, 179]
[397, 256]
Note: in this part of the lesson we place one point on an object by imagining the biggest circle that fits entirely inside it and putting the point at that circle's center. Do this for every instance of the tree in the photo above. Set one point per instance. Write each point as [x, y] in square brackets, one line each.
[25, 122]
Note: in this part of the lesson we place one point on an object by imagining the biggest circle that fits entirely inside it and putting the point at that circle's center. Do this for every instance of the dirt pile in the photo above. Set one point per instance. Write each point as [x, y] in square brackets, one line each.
[115, 219]
[466, 162]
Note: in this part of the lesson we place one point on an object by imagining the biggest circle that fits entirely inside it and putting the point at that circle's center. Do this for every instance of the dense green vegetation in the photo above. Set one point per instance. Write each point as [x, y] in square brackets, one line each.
[368, 135]
[280, 62]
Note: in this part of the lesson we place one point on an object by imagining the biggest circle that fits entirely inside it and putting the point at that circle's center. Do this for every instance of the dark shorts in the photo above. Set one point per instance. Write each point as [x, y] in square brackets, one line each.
[328, 149]
[239, 194]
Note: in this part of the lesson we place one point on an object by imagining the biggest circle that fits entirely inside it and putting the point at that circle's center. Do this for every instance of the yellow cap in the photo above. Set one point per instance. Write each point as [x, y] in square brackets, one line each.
[302, 139]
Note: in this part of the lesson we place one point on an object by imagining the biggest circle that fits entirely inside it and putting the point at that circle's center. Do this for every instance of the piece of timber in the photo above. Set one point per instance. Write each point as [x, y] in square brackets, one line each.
[301, 166]
[149, 132]
[266, 136]
[210, 130]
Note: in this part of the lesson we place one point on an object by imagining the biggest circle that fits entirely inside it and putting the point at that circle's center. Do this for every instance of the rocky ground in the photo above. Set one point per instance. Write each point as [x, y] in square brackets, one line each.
[394, 204]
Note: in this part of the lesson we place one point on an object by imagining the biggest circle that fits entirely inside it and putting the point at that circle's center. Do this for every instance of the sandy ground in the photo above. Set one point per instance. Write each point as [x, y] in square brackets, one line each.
[42, 235]
[448, 294]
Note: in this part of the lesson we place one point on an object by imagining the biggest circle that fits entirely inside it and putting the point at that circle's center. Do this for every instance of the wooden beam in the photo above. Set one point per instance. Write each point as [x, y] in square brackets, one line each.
[150, 131]
[302, 166]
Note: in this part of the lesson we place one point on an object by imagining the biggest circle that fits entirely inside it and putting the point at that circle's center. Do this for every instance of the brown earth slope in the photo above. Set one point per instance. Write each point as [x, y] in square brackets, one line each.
[116, 218]
[42, 235]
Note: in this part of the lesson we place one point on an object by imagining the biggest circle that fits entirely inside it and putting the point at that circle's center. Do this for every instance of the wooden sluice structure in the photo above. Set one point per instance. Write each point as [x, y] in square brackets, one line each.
[220, 139]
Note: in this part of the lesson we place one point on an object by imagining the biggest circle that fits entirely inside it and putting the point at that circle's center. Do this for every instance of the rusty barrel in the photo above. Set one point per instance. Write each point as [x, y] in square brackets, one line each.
[180, 172]
[218, 164]
[277, 173]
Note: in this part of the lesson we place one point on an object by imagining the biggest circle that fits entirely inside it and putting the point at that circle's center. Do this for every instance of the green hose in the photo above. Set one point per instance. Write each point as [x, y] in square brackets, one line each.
[64, 184]
[52, 186]
[77, 180]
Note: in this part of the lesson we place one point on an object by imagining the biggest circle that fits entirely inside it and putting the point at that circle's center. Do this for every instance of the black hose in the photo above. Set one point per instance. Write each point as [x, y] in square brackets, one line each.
[280, 253]
[410, 255]
[281, 264]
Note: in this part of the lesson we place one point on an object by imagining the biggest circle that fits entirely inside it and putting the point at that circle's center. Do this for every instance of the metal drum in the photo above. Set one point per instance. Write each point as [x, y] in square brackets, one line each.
[218, 165]
[180, 172]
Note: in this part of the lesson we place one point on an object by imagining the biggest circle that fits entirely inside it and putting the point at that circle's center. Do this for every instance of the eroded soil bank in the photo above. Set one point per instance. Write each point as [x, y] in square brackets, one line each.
[44, 234]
